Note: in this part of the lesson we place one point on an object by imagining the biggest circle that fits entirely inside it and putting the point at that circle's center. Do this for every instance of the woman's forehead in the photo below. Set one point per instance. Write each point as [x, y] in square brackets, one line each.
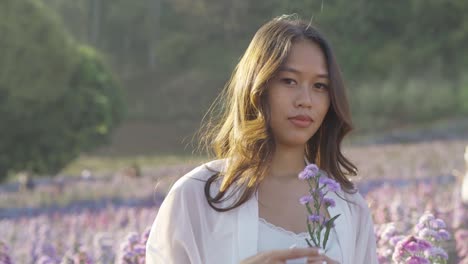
[305, 57]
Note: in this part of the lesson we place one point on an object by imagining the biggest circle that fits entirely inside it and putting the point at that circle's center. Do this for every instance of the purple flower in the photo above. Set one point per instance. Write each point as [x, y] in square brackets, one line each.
[306, 174]
[46, 260]
[394, 240]
[312, 168]
[331, 185]
[424, 244]
[439, 223]
[416, 260]
[436, 252]
[128, 255]
[426, 217]
[139, 250]
[329, 202]
[412, 247]
[305, 199]
[428, 233]
[443, 234]
[315, 218]
[133, 238]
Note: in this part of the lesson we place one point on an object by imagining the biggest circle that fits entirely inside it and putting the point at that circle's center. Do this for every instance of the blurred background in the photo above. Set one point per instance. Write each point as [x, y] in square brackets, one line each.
[127, 78]
[101, 100]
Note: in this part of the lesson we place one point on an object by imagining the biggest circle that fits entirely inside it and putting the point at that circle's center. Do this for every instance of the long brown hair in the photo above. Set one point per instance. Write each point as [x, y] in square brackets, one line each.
[242, 135]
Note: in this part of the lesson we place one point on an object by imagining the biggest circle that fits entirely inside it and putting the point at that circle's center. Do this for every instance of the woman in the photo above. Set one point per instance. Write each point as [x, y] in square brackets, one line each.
[285, 106]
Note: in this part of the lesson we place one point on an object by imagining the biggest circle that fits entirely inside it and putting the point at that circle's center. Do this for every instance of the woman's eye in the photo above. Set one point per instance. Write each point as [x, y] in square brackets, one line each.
[289, 81]
[321, 86]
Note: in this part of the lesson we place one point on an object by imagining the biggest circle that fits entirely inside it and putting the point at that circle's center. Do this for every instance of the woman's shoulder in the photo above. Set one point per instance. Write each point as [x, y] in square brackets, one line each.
[356, 200]
[193, 182]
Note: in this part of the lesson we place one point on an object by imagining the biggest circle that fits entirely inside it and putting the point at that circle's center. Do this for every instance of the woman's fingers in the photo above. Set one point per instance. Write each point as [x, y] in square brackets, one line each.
[294, 253]
[316, 260]
[323, 259]
[282, 255]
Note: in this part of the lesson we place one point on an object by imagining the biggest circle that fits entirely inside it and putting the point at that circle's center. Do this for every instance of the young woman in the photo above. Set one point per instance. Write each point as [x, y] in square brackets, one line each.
[285, 106]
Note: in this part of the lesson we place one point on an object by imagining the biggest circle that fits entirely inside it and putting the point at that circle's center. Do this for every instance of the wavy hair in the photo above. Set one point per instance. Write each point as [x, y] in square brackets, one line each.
[240, 131]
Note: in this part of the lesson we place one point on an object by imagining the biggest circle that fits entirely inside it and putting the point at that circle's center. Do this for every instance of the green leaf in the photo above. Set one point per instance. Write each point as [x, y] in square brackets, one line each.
[308, 243]
[327, 232]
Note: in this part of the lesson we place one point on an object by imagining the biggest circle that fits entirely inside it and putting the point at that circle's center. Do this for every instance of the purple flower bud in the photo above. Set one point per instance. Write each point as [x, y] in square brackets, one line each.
[315, 218]
[312, 168]
[329, 202]
[305, 199]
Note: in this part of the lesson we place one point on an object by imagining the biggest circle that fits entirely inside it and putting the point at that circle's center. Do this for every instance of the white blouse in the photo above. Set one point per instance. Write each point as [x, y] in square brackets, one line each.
[188, 231]
[272, 237]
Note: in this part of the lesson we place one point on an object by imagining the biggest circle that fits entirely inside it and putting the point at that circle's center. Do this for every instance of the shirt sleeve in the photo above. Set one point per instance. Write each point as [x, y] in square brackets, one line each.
[172, 238]
[366, 250]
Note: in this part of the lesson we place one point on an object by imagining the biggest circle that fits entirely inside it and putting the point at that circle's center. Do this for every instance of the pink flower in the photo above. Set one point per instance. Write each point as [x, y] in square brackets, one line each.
[412, 247]
[424, 245]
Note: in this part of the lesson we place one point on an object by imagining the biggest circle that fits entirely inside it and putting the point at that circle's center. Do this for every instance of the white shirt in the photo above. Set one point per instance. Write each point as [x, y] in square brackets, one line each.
[272, 237]
[187, 230]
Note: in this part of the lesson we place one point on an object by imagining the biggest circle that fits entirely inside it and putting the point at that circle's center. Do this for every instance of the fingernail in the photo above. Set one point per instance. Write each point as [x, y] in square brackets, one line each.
[324, 262]
[293, 246]
[320, 251]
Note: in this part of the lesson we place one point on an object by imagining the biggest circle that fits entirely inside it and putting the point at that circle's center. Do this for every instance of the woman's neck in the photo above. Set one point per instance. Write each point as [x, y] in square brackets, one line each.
[286, 163]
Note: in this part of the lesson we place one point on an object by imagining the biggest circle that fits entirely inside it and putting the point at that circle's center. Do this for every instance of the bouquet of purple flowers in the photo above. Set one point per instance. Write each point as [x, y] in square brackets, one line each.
[319, 186]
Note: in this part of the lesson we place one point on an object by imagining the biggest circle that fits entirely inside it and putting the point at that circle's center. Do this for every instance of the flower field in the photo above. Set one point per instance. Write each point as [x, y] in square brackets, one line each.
[411, 189]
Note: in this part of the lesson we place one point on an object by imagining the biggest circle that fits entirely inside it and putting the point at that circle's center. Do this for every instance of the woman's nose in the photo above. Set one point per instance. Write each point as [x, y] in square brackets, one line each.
[303, 98]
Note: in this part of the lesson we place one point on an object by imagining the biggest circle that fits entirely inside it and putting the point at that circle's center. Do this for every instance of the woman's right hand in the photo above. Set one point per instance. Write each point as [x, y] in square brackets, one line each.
[313, 255]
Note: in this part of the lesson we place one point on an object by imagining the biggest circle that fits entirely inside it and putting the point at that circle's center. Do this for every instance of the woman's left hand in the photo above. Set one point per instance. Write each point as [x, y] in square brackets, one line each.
[321, 260]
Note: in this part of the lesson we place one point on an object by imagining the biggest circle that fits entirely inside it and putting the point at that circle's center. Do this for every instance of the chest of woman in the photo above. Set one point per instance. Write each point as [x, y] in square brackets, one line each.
[283, 209]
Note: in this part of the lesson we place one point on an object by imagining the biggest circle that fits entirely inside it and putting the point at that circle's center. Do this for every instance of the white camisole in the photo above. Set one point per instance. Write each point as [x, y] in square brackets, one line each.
[272, 237]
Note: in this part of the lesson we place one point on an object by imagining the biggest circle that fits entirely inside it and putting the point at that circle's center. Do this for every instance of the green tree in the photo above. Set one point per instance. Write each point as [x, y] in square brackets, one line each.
[57, 99]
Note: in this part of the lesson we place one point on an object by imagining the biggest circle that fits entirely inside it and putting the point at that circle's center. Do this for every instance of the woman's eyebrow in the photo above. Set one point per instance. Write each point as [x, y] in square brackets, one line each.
[293, 70]
[289, 69]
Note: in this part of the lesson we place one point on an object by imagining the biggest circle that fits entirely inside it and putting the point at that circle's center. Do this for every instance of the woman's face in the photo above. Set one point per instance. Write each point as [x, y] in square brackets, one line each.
[298, 95]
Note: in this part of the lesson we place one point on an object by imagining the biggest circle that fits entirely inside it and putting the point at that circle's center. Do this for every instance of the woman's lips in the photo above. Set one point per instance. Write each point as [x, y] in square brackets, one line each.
[301, 121]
